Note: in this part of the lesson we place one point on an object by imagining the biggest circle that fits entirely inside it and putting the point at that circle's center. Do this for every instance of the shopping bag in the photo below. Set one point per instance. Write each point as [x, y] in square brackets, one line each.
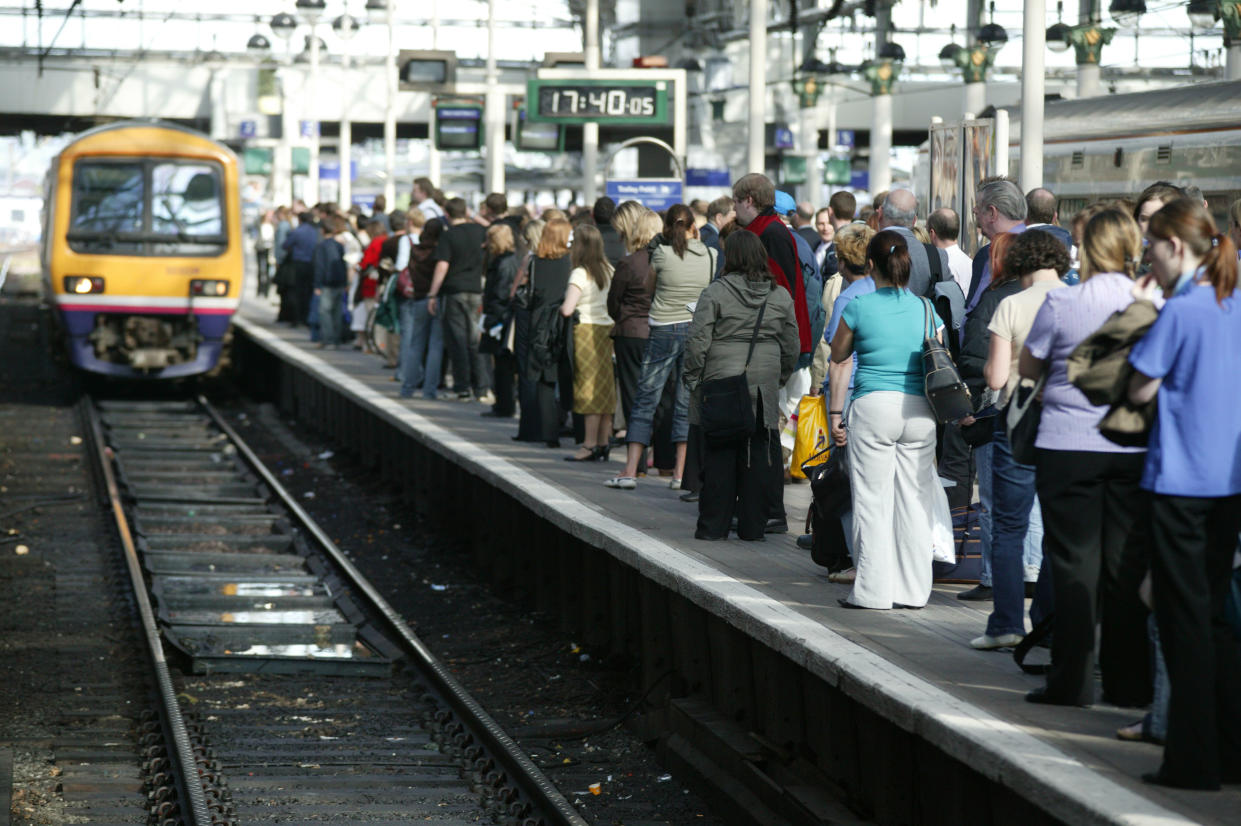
[813, 434]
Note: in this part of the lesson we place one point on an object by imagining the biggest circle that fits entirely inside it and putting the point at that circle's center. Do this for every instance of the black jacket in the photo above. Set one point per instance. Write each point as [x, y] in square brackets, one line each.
[976, 342]
[328, 263]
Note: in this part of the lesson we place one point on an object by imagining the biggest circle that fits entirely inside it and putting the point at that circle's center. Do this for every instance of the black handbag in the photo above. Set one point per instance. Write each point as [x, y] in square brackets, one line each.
[1022, 419]
[945, 390]
[831, 497]
[726, 412]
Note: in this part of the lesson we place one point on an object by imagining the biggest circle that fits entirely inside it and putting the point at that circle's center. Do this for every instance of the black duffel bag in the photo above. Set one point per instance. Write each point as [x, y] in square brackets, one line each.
[945, 389]
[831, 498]
[727, 413]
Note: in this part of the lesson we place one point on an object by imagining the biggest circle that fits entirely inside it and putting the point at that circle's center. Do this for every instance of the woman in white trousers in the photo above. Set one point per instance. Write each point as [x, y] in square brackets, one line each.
[897, 498]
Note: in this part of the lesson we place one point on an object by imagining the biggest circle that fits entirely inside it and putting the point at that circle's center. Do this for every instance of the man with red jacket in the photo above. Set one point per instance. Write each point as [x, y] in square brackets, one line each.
[755, 195]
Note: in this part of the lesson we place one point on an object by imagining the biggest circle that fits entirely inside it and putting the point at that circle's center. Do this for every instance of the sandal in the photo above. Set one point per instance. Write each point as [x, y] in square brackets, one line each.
[621, 483]
[845, 577]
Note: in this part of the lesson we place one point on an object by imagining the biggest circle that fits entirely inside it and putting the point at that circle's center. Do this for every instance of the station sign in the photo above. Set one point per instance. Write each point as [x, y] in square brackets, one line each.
[708, 177]
[308, 128]
[330, 170]
[846, 138]
[578, 101]
[248, 129]
[426, 70]
[782, 138]
[653, 193]
[458, 126]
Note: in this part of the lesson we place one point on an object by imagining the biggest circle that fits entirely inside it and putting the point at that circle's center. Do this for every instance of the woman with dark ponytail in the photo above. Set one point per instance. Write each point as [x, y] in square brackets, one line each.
[1191, 361]
[897, 496]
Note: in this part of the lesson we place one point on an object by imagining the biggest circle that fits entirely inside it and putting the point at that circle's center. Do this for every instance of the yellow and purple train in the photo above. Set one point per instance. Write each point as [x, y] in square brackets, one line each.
[142, 249]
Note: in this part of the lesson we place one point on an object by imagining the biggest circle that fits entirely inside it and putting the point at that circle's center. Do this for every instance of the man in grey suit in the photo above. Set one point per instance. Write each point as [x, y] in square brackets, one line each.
[899, 212]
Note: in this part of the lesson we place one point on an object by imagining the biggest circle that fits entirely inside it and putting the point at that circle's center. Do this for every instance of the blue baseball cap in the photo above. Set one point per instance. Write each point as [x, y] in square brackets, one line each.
[784, 203]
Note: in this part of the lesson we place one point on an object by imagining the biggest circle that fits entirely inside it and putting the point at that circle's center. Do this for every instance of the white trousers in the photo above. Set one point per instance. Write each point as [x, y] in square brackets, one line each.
[898, 502]
[797, 386]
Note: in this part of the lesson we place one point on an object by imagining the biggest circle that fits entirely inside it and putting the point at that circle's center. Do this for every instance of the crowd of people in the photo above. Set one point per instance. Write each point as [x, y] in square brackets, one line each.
[689, 339]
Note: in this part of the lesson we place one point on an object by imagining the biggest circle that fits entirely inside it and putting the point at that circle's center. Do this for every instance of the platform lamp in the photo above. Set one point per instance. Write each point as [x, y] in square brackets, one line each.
[882, 73]
[1127, 12]
[1057, 35]
[1204, 14]
[1088, 40]
[311, 11]
[382, 13]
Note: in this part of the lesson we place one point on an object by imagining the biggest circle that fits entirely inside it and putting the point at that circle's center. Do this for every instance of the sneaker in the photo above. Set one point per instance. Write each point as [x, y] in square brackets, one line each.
[675, 484]
[487, 398]
[689, 496]
[979, 593]
[621, 483]
[989, 643]
[845, 577]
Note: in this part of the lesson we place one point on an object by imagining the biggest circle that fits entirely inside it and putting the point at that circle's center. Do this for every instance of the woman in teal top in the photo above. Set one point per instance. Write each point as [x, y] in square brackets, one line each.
[897, 497]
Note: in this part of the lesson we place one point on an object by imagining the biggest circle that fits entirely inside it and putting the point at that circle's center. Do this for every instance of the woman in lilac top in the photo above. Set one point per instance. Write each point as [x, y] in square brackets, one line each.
[1191, 359]
[1088, 486]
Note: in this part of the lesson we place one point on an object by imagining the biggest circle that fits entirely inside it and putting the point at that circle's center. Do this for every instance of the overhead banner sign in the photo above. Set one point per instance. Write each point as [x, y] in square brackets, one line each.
[654, 194]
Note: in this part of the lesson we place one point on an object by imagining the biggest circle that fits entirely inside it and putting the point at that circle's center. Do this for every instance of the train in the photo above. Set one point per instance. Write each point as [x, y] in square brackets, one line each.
[142, 249]
[1114, 146]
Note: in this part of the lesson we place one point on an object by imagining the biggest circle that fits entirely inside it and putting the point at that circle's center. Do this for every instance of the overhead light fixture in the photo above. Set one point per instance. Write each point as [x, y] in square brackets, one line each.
[311, 10]
[992, 35]
[1127, 12]
[948, 56]
[377, 10]
[258, 45]
[283, 25]
[345, 26]
[1202, 13]
[892, 51]
[1058, 37]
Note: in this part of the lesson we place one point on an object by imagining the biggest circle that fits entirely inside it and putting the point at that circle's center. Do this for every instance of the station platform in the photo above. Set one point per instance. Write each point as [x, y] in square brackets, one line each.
[914, 669]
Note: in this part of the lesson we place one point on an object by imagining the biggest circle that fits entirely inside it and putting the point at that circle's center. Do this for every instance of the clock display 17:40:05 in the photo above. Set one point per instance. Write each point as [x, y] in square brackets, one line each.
[598, 101]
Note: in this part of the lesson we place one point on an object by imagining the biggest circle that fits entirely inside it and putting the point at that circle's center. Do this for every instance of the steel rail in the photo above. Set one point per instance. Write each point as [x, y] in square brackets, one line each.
[521, 769]
[194, 800]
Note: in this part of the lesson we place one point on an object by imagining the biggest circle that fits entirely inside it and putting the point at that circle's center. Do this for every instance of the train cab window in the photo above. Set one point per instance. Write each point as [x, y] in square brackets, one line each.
[108, 203]
[186, 205]
[147, 207]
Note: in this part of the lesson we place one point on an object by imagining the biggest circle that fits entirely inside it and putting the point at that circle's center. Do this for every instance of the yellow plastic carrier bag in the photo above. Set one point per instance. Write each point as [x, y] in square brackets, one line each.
[813, 433]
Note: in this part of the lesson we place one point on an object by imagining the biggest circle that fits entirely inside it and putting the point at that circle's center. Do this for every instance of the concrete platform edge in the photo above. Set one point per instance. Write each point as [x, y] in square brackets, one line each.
[1000, 751]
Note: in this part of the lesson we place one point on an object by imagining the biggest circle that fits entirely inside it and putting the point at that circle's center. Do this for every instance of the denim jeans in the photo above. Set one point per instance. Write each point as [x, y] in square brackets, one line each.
[1012, 498]
[1032, 552]
[665, 353]
[330, 300]
[312, 318]
[982, 468]
[422, 349]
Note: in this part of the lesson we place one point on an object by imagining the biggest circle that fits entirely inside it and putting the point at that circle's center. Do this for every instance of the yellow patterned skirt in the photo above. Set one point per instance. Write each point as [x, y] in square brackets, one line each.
[594, 383]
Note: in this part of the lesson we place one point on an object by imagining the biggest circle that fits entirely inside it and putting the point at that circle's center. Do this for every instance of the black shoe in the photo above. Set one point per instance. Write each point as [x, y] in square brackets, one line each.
[591, 456]
[806, 542]
[554, 443]
[689, 496]
[776, 526]
[979, 593]
[844, 603]
[708, 537]
[1158, 779]
[1041, 697]
[602, 453]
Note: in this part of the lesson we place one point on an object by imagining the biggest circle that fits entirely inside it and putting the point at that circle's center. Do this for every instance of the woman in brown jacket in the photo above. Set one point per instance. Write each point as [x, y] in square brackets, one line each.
[629, 296]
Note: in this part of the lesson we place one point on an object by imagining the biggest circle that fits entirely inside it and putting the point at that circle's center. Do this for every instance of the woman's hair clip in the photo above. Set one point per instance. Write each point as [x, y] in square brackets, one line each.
[892, 249]
[1215, 239]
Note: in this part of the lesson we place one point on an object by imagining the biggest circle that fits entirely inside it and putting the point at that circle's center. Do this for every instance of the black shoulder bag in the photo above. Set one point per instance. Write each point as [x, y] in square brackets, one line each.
[947, 393]
[727, 414]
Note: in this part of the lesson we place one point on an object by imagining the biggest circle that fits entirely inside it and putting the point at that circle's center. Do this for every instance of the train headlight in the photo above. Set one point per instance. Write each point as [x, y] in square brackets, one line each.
[208, 288]
[83, 284]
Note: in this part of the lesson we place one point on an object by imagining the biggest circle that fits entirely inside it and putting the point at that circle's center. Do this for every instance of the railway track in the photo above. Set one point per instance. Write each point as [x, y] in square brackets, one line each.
[289, 690]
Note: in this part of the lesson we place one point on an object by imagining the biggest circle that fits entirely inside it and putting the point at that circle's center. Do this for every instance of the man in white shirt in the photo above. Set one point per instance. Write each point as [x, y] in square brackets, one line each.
[944, 227]
[423, 197]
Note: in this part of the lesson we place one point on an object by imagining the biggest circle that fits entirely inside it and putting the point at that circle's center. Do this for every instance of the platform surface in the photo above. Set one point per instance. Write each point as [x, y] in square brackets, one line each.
[969, 702]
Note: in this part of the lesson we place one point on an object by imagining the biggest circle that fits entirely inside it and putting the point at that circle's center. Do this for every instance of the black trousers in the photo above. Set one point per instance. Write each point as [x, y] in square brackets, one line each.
[504, 382]
[263, 259]
[550, 413]
[470, 368]
[303, 290]
[956, 464]
[1090, 501]
[746, 477]
[629, 354]
[528, 426]
[1194, 541]
[692, 478]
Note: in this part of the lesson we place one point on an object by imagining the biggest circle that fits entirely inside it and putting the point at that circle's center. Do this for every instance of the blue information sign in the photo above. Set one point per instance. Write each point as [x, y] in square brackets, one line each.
[784, 138]
[846, 137]
[708, 177]
[248, 128]
[308, 128]
[652, 194]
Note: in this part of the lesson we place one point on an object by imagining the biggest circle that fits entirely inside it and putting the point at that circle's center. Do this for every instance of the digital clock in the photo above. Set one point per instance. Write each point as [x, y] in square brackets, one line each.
[598, 101]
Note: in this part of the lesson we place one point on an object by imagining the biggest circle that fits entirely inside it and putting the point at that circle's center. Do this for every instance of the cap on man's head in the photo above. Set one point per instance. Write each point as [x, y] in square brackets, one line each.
[784, 203]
